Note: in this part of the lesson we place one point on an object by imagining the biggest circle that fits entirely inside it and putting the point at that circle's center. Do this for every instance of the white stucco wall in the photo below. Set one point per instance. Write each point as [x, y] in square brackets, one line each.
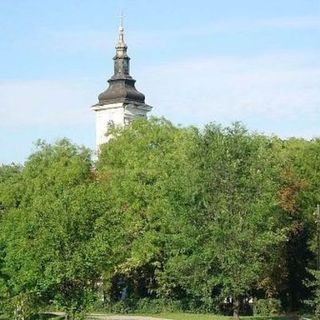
[106, 115]
[118, 114]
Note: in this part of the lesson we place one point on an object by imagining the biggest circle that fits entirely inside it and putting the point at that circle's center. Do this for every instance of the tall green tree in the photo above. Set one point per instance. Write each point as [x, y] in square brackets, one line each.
[53, 250]
[152, 179]
[199, 217]
[240, 192]
[302, 195]
[10, 195]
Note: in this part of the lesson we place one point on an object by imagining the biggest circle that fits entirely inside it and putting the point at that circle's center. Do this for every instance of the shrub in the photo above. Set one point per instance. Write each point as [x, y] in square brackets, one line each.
[157, 305]
[267, 307]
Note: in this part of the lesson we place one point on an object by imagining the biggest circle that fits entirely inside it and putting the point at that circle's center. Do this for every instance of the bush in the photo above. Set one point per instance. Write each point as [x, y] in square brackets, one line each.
[145, 305]
[157, 305]
[267, 307]
[314, 285]
[22, 306]
[119, 307]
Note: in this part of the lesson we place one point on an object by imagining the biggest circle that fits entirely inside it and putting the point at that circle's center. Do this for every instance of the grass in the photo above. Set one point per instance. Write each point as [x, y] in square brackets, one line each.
[172, 316]
[189, 316]
[42, 317]
[178, 316]
[198, 316]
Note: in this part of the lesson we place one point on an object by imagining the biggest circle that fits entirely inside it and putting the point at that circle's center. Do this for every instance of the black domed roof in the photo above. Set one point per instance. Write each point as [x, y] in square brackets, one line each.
[121, 85]
[121, 90]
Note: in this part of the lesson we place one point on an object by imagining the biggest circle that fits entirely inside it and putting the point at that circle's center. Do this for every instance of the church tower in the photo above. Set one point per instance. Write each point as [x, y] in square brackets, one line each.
[121, 101]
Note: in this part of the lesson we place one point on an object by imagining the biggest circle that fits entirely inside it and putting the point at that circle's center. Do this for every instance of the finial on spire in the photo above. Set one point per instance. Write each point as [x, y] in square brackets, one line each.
[121, 31]
[121, 20]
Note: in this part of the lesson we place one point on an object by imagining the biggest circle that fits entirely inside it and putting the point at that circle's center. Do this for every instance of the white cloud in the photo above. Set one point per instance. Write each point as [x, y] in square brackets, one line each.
[162, 37]
[272, 93]
[84, 40]
[261, 89]
[46, 103]
[240, 25]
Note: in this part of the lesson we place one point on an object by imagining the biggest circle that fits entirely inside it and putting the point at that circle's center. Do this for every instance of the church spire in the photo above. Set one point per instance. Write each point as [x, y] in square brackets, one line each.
[121, 84]
[121, 101]
[121, 59]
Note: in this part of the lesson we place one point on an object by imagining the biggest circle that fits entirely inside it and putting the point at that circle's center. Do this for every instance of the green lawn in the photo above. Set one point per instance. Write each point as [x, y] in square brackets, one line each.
[180, 316]
[189, 316]
[43, 317]
[197, 316]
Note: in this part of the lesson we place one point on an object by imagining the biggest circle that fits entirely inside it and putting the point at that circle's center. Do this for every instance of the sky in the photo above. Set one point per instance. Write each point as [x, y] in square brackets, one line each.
[197, 62]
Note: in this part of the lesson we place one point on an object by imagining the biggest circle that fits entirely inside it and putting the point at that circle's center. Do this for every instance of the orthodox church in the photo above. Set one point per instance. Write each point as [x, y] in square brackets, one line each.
[121, 101]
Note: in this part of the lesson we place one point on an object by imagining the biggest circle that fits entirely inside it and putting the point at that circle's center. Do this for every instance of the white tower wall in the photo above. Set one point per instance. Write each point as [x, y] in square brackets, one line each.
[106, 116]
[121, 101]
[118, 115]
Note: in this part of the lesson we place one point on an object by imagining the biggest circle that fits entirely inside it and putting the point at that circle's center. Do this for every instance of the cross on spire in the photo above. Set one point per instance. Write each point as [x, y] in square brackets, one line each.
[121, 30]
[121, 19]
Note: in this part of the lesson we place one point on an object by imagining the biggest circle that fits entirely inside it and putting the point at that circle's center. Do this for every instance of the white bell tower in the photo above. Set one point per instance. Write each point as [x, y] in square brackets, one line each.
[121, 101]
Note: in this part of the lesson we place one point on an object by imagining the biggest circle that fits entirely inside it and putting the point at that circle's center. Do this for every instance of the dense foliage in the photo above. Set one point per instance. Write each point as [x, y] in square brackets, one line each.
[168, 217]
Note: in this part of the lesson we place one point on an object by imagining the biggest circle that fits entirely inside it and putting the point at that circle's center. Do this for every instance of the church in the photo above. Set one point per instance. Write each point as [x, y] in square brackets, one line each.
[121, 101]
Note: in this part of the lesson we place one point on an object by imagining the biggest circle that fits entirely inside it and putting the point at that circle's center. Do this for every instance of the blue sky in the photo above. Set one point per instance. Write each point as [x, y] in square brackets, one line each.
[196, 62]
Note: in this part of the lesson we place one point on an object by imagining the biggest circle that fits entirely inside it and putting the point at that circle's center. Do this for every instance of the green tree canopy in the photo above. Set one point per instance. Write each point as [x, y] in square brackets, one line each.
[153, 182]
[202, 218]
[52, 250]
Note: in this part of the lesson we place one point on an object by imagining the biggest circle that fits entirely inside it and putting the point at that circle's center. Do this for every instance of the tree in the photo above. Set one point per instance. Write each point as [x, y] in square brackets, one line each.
[240, 174]
[299, 196]
[10, 176]
[151, 178]
[200, 218]
[52, 253]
